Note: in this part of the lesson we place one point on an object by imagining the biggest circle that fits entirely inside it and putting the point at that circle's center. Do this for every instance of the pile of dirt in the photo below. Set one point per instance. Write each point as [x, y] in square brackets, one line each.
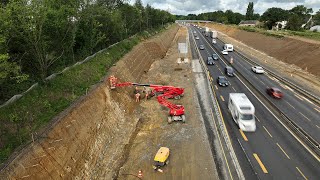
[89, 141]
[293, 58]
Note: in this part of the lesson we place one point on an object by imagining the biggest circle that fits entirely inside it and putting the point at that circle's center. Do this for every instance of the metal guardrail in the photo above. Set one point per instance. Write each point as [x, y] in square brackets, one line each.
[299, 132]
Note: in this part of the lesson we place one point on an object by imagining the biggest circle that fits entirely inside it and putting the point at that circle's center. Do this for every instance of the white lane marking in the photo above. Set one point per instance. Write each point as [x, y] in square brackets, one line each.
[307, 100]
[283, 86]
[298, 96]
[267, 131]
[257, 118]
[305, 116]
[289, 104]
[283, 151]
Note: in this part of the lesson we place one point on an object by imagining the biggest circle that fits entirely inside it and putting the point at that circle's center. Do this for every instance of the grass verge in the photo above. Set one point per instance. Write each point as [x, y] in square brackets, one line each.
[37, 108]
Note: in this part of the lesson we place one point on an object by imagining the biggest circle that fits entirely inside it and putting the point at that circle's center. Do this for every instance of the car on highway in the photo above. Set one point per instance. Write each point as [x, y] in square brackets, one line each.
[222, 81]
[229, 71]
[201, 47]
[194, 32]
[210, 61]
[274, 92]
[224, 52]
[197, 38]
[215, 56]
[257, 69]
[214, 41]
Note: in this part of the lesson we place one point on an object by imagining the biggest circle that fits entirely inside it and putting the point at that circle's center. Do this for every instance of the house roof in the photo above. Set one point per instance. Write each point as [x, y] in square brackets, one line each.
[249, 22]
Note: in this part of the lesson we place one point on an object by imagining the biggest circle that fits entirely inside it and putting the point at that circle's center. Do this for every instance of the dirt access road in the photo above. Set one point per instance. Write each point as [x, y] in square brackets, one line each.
[191, 156]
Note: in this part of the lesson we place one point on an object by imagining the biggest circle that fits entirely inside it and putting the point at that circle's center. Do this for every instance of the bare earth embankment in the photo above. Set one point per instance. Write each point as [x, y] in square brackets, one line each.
[106, 135]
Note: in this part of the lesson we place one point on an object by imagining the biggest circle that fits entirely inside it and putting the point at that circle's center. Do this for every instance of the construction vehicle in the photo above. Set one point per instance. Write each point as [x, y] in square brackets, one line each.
[176, 112]
[161, 158]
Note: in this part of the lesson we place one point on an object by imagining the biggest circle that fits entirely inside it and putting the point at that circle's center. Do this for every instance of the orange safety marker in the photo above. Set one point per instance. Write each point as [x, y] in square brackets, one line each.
[140, 174]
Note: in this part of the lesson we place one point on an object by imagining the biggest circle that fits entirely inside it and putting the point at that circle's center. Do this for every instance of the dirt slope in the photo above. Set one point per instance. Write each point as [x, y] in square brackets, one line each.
[89, 139]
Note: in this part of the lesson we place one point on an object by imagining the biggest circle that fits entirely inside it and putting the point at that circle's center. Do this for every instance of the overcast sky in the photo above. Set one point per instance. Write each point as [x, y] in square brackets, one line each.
[184, 7]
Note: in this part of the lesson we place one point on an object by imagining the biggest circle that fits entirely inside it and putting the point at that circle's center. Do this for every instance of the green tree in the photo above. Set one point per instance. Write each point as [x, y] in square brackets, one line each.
[273, 15]
[141, 14]
[294, 22]
[42, 32]
[298, 17]
[316, 18]
[301, 10]
[249, 14]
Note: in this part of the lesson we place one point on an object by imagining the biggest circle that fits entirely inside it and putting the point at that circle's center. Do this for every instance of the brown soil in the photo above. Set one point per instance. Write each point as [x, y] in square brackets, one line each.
[106, 135]
[291, 57]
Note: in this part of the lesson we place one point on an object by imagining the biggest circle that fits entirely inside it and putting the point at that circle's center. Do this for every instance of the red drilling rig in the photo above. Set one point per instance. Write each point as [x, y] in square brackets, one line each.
[163, 93]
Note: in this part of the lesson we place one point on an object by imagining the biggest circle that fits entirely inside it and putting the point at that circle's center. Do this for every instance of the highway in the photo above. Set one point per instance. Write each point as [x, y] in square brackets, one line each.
[271, 152]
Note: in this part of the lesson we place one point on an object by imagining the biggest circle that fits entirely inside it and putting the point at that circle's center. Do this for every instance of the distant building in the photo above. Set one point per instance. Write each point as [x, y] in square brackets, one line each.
[315, 28]
[252, 23]
[280, 25]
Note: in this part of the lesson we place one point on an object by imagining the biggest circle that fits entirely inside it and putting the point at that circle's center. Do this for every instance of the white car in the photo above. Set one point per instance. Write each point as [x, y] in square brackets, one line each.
[197, 38]
[257, 69]
[224, 52]
[214, 41]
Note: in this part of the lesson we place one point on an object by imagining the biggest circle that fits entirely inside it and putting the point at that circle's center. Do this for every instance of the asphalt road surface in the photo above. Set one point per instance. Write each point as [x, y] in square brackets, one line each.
[271, 152]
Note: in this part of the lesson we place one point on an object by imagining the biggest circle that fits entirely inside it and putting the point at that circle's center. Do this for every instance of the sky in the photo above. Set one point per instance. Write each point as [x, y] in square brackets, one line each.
[185, 7]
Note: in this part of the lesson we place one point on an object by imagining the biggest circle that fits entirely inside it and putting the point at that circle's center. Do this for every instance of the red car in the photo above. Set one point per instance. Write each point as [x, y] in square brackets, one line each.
[275, 92]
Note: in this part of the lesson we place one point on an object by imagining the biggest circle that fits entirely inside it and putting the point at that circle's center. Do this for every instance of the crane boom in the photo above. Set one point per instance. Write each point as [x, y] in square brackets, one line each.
[164, 93]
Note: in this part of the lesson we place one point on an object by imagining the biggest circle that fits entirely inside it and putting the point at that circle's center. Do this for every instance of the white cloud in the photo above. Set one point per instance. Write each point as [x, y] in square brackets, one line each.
[184, 7]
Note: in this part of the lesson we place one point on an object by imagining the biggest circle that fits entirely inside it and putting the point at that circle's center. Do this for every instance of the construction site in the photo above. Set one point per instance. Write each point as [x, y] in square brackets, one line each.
[111, 133]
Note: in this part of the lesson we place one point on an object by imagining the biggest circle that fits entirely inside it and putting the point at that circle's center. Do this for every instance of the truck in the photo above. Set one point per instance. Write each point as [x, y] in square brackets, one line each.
[213, 34]
[206, 31]
[242, 111]
[228, 47]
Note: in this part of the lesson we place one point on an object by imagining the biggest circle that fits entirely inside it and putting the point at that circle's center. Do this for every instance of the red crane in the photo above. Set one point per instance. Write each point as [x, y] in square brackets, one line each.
[176, 112]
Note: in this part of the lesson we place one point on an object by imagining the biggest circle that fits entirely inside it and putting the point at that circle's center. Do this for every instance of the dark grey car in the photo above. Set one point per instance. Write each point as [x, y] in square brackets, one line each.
[215, 56]
[210, 61]
[222, 81]
[229, 71]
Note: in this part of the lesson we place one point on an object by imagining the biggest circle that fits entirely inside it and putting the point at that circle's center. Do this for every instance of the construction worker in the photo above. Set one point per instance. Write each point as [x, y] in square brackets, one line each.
[136, 90]
[137, 97]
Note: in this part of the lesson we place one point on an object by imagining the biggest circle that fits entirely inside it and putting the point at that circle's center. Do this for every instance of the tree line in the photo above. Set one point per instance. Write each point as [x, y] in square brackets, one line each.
[297, 17]
[39, 37]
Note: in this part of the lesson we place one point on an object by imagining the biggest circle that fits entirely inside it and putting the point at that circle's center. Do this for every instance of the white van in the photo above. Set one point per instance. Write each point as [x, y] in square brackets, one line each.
[242, 111]
[228, 47]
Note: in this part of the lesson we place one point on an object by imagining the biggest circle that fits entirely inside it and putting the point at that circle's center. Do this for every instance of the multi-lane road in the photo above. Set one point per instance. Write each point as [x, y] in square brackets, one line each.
[272, 152]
